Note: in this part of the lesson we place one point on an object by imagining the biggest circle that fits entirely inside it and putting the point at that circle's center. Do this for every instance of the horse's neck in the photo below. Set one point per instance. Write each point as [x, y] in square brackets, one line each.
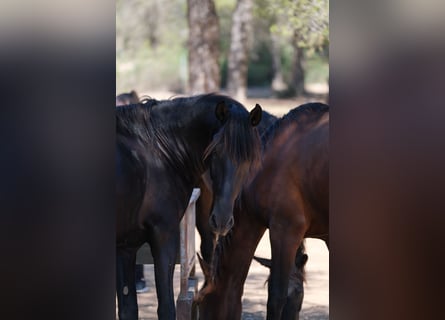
[238, 254]
[186, 137]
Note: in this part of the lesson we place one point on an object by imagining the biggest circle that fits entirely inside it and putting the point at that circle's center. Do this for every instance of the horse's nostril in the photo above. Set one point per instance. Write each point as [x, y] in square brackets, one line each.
[218, 228]
[212, 221]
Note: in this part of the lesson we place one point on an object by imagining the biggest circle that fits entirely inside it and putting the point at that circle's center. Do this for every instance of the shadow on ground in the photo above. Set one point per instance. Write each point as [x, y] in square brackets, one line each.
[315, 313]
[316, 295]
[312, 313]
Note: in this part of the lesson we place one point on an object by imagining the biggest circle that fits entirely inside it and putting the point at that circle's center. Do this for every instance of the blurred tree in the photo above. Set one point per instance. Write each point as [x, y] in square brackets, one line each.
[154, 45]
[305, 23]
[137, 22]
[296, 85]
[151, 45]
[203, 45]
[310, 22]
[239, 49]
[278, 83]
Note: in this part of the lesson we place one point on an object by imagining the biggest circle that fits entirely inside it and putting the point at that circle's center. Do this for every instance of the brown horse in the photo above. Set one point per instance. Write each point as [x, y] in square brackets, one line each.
[295, 293]
[290, 196]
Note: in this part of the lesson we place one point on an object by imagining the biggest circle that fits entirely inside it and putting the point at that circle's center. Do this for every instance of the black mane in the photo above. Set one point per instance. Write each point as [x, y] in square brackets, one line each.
[218, 255]
[145, 123]
[132, 120]
[238, 140]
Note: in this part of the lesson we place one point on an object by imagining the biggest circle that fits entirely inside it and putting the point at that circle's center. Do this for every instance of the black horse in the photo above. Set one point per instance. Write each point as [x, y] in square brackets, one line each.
[162, 150]
[127, 98]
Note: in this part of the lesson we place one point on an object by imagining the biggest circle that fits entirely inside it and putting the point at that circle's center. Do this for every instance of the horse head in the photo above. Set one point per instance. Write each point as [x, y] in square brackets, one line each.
[234, 151]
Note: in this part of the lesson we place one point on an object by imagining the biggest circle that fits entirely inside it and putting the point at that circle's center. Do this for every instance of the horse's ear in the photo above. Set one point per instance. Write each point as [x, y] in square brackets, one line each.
[265, 262]
[221, 111]
[255, 115]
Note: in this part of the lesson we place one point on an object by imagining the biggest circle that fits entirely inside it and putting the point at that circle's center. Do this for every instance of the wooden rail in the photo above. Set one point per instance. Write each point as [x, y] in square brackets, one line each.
[185, 308]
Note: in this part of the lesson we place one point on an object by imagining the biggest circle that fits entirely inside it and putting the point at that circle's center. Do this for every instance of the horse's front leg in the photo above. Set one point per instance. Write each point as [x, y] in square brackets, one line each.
[125, 284]
[284, 244]
[164, 247]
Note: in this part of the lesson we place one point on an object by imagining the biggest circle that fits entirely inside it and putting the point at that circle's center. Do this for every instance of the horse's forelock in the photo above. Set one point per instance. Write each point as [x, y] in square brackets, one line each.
[238, 139]
[218, 255]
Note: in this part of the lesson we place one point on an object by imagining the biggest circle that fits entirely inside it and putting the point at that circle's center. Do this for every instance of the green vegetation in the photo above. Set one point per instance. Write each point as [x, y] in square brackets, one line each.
[151, 38]
[317, 69]
[151, 42]
[165, 67]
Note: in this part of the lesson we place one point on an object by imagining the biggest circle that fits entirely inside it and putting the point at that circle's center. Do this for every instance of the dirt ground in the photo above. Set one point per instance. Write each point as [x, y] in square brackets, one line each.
[316, 295]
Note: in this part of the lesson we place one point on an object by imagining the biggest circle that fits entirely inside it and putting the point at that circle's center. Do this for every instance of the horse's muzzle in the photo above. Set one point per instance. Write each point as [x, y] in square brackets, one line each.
[218, 228]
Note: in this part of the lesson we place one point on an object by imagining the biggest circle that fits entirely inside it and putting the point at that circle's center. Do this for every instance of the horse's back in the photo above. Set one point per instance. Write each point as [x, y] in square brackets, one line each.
[314, 157]
[295, 175]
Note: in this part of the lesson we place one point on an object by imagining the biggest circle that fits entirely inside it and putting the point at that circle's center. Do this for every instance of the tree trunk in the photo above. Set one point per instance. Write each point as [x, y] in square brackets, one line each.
[239, 50]
[204, 74]
[278, 83]
[297, 85]
[151, 18]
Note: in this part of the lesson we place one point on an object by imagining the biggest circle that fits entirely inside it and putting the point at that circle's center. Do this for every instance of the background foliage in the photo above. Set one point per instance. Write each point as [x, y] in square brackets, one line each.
[151, 42]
